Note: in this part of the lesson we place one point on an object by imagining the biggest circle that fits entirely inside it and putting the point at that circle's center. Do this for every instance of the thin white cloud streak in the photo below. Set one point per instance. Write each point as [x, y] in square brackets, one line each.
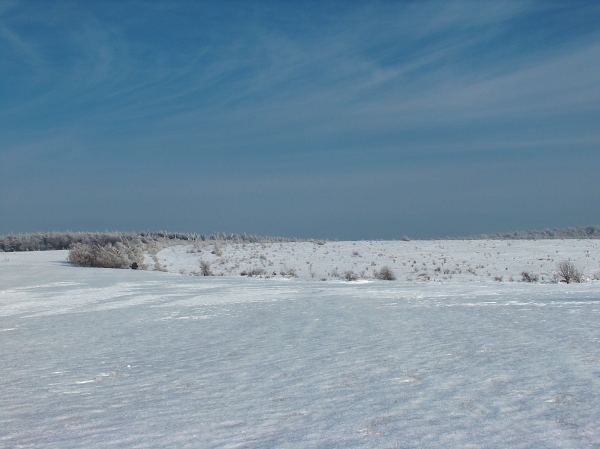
[346, 96]
[556, 88]
[20, 46]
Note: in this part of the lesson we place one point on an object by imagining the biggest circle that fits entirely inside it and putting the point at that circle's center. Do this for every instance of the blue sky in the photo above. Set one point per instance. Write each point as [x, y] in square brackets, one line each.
[349, 120]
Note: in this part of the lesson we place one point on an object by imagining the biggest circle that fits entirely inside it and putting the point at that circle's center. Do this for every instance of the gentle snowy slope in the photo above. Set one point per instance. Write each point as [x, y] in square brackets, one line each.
[124, 358]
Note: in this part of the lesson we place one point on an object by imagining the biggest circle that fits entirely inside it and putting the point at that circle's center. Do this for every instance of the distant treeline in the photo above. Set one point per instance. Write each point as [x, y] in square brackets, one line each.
[46, 241]
[587, 232]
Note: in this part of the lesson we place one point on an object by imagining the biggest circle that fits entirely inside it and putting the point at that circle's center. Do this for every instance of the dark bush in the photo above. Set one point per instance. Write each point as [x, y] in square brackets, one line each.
[526, 276]
[385, 274]
[256, 271]
[350, 275]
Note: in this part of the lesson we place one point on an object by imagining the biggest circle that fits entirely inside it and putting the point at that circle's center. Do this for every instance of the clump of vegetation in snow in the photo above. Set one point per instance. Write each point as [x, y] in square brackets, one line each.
[217, 251]
[205, 269]
[256, 271]
[119, 255]
[385, 274]
[350, 275]
[289, 272]
[527, 276]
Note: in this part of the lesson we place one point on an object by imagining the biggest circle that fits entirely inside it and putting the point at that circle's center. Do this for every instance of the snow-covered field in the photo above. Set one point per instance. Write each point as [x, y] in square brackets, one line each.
[434, 260]
[126, 358]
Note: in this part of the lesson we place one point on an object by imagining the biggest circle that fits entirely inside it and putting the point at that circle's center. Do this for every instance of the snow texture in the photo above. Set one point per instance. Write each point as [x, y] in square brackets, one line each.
[127, 358]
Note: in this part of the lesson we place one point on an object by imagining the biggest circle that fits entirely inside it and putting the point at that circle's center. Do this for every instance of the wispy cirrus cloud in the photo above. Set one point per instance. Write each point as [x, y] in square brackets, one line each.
[418, 63]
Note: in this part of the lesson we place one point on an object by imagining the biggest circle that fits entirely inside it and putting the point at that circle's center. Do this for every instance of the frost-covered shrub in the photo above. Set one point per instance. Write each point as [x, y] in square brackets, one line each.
[205, 268]
[118, 255]
[527, 276]
[385, 274]
[217, 251]
[567, 273]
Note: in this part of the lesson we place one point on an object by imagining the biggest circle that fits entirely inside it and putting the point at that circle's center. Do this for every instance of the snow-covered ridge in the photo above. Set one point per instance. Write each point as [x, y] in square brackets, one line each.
[411, 261]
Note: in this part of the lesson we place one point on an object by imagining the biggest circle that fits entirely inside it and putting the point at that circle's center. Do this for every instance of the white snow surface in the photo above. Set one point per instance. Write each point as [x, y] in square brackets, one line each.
[125, 358]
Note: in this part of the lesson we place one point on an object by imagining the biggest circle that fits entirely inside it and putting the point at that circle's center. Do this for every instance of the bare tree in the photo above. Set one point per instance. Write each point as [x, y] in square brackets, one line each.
[568, 273]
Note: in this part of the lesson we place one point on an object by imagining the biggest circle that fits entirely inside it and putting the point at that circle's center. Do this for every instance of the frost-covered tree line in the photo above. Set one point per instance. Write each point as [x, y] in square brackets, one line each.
[586, 232]
[47, 241]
